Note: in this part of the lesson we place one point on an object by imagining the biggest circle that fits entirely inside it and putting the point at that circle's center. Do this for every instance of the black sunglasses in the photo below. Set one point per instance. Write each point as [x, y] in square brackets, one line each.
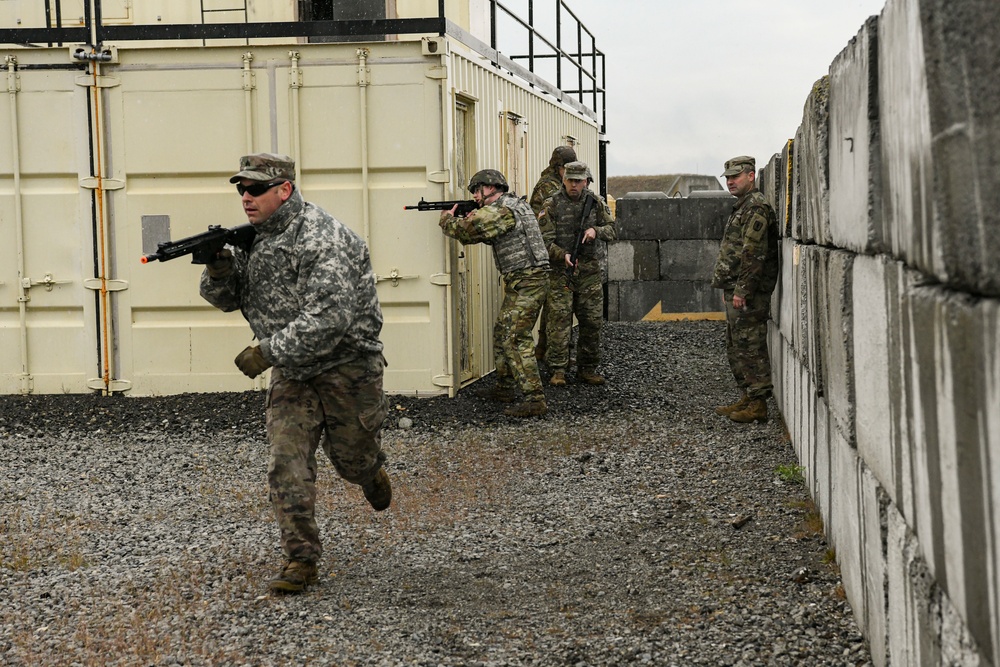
[257, 189]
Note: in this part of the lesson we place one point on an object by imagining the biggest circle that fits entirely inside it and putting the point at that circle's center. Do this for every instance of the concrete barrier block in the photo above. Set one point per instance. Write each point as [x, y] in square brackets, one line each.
[814, 306]
[658, 299]
[904, 116]
[811, 171]
[991, 431]
[845, 519]
[961, 61]
[611, 302]
[788, 293]
[870, 304]
[776, 350]
[633, 260]
[855, 147]
[688, 259]
[912, 635]
[838, 343]
[823, 478]
[963, 344]
[928, 522]
[673, 218]
[899, 281]
[874, 501]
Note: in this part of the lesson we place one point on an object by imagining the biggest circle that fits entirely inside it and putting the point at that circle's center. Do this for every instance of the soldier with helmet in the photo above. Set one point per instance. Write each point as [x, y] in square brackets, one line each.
[747, 272]
[508, 224]
[549, 183]
[575, 212]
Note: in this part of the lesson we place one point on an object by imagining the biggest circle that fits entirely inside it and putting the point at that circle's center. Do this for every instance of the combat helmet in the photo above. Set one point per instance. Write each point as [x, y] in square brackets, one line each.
[488, 177]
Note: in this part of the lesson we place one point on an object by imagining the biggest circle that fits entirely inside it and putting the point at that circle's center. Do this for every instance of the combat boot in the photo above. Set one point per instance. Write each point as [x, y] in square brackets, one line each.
[754, 410]
[378, 492]
[294, 577]
[590, 377]
[527, 409]
[726, 410]
[499, 393]
[558, 378]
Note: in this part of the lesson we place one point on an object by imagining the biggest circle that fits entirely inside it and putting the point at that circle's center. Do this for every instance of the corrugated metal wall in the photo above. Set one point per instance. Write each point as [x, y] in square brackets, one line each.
[156, 136]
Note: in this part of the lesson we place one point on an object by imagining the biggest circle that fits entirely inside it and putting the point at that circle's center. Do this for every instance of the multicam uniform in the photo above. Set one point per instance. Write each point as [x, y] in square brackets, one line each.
[549, 183]
[583, 293]
[510, 227]
[748, 267]
[307, 290]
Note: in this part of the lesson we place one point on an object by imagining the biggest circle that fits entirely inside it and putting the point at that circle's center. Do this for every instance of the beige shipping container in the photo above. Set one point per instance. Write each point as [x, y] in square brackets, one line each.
[100, 160]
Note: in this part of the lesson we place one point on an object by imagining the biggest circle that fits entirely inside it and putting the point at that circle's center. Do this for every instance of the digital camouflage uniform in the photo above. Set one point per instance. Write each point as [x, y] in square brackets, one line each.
[748, 267]
[583, 293]
[307, 290]
[510, 227]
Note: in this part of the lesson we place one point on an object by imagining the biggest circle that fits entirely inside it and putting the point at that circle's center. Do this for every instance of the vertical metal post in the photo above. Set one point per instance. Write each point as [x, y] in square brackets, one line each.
[531, 35]
[559, 48]
[493, 24]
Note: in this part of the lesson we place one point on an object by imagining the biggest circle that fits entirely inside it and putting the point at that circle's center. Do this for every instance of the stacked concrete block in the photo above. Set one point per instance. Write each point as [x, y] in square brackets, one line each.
[904, 115]
[855, 147]
[961, 58]
[662, 263]
[811, 171]
[887, 325]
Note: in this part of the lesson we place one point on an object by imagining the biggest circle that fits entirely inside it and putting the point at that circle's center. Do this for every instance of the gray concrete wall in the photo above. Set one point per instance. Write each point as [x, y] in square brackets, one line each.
[885, 337]
[662, 263]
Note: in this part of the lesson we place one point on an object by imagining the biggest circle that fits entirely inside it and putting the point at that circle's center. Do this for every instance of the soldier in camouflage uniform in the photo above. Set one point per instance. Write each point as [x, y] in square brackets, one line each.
[549, 183]
[307, 289]
[747, 271]
[575, 290]
[508, 224]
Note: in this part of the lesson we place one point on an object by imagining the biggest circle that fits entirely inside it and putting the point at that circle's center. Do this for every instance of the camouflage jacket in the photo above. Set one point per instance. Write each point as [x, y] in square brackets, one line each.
[560, 220]
[509, 226]
[307, 289]
[548, 184]
[748, 254]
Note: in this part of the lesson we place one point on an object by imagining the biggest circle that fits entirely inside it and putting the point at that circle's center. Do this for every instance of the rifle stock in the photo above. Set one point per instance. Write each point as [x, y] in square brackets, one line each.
[465, 206]
[203, 247]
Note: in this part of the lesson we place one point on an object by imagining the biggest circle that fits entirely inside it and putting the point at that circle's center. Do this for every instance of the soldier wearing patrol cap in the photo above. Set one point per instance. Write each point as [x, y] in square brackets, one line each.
[307, 289]
[549, 183]
[747, 271]
[575, 289]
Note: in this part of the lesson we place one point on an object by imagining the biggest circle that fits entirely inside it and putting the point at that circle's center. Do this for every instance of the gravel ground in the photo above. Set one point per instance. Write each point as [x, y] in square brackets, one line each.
[630, 526]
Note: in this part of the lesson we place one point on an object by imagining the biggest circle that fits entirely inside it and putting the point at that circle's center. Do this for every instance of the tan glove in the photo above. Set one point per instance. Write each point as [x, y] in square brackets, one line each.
[252, 362]
[221, 266]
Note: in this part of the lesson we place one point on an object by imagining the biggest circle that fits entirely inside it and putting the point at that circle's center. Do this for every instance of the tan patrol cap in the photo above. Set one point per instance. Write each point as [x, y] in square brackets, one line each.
[265, 167]
[739, 164]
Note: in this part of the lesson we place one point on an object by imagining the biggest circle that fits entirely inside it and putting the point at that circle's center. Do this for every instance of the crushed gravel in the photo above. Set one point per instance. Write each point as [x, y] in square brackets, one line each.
[629, 526]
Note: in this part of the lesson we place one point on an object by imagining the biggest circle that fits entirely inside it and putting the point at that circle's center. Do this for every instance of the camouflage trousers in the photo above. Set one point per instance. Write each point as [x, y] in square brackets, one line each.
[344, 409]
[746, 344]
[582, 296]
[513, 343]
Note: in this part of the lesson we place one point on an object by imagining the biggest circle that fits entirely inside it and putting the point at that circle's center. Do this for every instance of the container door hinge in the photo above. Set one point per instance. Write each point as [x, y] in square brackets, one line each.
[441, 279]
[98, 285]
[101, 81]
[91, 183]
[443, 381]
[111, 386]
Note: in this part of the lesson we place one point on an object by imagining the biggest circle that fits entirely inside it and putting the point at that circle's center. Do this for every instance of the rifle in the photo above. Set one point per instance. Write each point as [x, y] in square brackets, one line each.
[588, 206]
[465, 206]
[205, 246]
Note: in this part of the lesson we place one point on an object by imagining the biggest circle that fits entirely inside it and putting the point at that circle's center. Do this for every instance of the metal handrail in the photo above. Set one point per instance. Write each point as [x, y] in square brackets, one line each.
[589, 92]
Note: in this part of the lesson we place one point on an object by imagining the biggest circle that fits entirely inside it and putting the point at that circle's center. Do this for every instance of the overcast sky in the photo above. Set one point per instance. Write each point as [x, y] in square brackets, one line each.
[692, 83]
